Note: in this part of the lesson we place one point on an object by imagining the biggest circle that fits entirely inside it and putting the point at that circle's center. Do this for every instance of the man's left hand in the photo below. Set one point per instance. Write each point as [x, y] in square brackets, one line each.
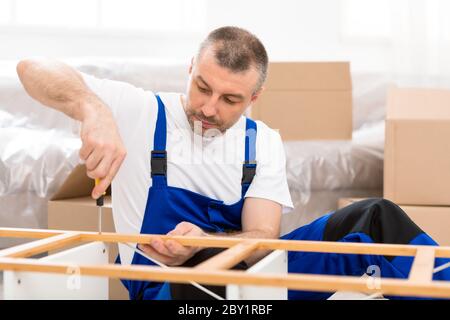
[170, 252]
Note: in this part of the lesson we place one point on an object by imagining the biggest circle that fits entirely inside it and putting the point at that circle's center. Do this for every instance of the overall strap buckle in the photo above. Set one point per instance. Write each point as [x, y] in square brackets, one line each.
[248, 172]
[159, 162]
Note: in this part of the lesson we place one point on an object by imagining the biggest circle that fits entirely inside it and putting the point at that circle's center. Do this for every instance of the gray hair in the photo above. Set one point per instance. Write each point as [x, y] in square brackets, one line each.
[237, 50]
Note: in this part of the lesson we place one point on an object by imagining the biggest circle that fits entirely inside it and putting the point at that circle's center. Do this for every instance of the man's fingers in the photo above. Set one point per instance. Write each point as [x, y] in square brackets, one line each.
[155, 254]
[103, 167]
[177, 249]
[105, 182]
[100, 188]
[181, 229]
[85, 150]
[102, 151]
[160, 247]
[167, 260]
[92, 163]
[99, 162]
[172, 233]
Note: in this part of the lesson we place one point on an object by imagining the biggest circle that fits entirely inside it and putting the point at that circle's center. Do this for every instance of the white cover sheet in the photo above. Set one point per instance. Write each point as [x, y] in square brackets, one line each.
[39, 147]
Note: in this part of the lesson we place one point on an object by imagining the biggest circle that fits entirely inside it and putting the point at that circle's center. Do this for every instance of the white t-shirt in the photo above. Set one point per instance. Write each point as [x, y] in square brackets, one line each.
[211, 167]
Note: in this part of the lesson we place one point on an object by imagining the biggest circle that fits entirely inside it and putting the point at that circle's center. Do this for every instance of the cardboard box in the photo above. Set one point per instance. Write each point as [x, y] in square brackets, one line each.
[307, 100]
[417, 147]
[433, 220]
[72, 208]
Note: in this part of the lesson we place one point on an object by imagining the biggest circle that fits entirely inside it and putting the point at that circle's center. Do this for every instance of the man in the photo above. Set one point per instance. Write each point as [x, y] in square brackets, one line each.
[209, 169]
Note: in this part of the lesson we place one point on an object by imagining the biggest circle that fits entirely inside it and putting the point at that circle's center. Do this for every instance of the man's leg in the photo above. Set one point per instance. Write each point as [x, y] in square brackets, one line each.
[368, 221]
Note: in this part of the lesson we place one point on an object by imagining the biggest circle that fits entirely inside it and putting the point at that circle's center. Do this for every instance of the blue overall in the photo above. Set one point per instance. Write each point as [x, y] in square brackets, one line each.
[368, 221]
[358, 264]
[167, 206]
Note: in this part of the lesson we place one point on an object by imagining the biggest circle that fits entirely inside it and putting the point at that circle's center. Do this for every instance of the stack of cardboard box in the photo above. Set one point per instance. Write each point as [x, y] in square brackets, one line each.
[417, 158]
[307, 100]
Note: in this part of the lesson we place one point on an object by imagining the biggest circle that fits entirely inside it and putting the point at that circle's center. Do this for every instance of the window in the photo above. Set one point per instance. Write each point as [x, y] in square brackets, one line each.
[145, 15]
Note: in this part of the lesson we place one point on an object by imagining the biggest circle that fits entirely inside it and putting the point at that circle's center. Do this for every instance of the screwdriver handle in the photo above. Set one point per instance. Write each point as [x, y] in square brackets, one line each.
[100, 200]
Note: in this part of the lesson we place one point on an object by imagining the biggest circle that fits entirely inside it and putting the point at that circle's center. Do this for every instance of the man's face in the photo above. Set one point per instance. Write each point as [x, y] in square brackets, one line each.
[216, 96]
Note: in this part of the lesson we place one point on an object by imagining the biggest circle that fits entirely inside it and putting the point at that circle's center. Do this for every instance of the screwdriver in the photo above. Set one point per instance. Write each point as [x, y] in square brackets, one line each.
[100, 202]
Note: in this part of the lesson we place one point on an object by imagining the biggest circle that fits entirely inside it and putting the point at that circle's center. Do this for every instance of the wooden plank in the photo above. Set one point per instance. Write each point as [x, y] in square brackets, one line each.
[419, 283]
[28, 233]
[226, 242]
[266, 244]
[40, 246]
[423, 265]
[437, 289]
[338, 247]
[215, 242]
[231, 257]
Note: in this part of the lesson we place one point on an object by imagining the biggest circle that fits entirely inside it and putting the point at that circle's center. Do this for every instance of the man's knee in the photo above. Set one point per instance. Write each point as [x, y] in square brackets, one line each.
[381, 219]
[384, 207]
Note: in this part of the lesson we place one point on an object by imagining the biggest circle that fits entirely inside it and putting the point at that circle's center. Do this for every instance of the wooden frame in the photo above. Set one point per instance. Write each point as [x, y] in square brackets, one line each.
[215, 270]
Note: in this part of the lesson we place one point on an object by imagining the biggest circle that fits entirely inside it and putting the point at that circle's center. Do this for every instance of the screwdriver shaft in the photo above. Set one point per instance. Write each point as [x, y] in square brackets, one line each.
[99, 220]
[99, 203]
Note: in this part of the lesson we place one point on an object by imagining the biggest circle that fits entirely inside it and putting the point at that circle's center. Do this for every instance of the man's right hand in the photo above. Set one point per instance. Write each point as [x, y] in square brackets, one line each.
[59, 86]
[102, 148]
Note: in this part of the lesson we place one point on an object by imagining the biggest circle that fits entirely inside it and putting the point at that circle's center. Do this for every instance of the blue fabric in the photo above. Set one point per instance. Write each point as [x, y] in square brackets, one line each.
[167, 206]
[159, 139]
[250, 140]
[348, 264]
[250, 150]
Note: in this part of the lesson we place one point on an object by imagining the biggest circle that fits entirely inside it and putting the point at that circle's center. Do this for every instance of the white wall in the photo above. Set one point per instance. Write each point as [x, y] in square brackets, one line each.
[290, 29]
[16, 44]
[298, 30]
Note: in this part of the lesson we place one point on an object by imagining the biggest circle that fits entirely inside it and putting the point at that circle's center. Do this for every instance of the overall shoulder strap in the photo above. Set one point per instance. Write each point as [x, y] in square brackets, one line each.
[249, 166]
[159, 153]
